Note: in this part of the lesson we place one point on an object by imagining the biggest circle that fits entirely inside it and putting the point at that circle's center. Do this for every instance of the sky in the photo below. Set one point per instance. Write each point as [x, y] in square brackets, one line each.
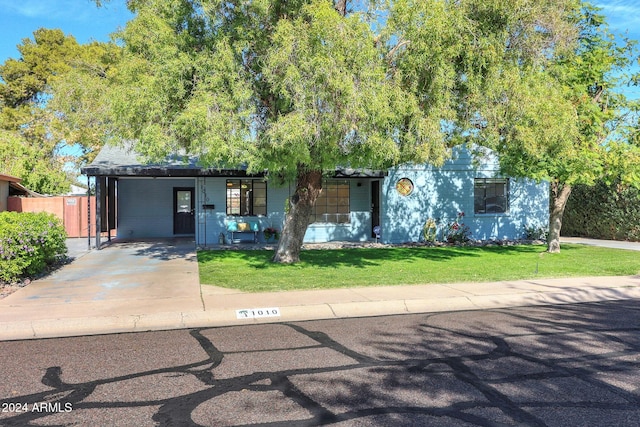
[86, 22]
[80, 18]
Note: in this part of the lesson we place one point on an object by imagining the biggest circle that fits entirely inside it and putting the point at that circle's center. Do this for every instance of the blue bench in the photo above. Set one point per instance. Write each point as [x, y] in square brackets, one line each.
[240, 232]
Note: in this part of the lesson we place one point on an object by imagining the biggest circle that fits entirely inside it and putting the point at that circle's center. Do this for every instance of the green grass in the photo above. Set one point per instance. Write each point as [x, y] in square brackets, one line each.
[252, 271]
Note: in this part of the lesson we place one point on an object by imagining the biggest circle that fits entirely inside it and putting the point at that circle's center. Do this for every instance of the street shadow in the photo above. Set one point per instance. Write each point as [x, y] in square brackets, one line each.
[538, 366]
[524, 366]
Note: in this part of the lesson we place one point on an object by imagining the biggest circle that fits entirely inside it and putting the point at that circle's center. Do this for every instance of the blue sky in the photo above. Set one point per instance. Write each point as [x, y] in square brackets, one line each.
[86, 22]
[80, 18]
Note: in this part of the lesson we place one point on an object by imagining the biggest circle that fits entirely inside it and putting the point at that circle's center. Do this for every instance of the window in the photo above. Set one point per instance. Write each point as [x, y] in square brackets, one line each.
[246, 197]
[333, 203]
[491, 195]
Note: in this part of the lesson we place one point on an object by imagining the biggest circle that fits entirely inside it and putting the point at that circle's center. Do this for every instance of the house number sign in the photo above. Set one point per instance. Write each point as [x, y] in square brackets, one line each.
[252, 313]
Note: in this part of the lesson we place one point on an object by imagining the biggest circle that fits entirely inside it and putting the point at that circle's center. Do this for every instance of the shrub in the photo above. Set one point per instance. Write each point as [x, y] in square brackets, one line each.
[531, 232]
[29, 242]
[456, 231]
[603, 212]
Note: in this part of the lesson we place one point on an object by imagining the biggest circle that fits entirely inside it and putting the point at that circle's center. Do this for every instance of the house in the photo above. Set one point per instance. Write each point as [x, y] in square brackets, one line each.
[10, 186]
[179, 198]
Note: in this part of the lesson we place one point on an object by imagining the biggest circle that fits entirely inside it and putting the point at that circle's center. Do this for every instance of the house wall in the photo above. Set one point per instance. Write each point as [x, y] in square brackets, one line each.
[145, 206]
[440, 193]
[211, 222]
[4, 195]
[359, 227]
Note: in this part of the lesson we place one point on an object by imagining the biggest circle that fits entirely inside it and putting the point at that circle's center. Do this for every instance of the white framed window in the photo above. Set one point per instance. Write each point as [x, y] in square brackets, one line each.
[491, 195]
[332, 206]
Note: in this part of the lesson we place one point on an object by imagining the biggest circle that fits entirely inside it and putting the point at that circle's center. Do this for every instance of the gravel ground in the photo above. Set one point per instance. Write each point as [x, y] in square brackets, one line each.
[11, 288]
[353, 245]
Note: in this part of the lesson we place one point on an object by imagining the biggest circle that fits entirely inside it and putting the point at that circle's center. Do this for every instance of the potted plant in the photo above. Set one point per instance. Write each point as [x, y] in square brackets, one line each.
[271, 233]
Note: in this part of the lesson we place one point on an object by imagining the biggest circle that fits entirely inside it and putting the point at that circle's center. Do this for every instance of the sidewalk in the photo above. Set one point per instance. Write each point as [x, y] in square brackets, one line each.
[150, 286]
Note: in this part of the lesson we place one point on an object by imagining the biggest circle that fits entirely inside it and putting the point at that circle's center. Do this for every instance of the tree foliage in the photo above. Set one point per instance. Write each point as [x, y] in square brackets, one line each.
[300, 87]
[566, 122]
[32, 131]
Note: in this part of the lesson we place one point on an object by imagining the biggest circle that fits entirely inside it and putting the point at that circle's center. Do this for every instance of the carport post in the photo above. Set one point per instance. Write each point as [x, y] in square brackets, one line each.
[88, 212]
[98, 211]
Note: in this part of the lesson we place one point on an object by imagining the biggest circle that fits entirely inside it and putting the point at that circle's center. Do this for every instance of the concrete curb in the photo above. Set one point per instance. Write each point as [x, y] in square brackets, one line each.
[226, 316]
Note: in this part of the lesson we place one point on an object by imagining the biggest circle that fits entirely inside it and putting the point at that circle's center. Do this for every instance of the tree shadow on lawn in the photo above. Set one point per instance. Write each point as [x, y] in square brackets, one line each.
[365, 257]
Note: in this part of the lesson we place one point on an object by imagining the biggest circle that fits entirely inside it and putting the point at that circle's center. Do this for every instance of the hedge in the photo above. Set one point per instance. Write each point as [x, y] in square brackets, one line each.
[603, 211]
[29, 243]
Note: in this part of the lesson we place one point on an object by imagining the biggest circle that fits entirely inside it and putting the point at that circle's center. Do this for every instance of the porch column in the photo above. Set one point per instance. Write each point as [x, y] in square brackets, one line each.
[99, 208]
[88, 212]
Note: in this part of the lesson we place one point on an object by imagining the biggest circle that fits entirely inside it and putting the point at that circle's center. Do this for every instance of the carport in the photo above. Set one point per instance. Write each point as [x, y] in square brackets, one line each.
[147, 200]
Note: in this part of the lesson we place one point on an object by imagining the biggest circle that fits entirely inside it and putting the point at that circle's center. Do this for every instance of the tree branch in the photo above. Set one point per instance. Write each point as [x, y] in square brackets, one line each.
[598, 94]
[393, 51]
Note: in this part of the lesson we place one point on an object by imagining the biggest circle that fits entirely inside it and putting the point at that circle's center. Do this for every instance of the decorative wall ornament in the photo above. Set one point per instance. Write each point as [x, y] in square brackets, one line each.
[404, 186]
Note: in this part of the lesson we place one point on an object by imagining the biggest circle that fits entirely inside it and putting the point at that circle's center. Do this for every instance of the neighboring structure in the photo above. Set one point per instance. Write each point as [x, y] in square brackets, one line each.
[10, 186]
[72, 210]
[179, 198]
[75, 190]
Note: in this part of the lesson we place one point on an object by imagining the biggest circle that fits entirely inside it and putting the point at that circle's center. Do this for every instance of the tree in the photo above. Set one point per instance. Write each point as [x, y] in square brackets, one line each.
[301, 87]
[32, 131]
[565, 122]
[80, 99]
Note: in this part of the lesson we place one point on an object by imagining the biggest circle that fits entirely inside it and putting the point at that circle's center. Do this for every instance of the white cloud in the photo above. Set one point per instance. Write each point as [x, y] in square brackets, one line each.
[49, 9]
[623, 16]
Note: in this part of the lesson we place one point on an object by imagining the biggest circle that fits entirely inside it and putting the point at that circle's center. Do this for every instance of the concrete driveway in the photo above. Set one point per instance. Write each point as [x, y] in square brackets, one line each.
[152, 276]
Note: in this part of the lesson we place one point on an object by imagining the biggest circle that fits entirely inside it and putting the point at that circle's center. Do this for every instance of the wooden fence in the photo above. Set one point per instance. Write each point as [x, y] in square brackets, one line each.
[72, 210]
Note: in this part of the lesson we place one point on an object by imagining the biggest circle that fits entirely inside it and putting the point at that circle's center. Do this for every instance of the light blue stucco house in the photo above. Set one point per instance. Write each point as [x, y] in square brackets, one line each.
[178, 198]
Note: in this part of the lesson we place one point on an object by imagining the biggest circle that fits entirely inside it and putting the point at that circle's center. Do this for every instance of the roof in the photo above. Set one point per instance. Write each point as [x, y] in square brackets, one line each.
[76, 190]
[9, 178]
[123, 160]
[17, 189]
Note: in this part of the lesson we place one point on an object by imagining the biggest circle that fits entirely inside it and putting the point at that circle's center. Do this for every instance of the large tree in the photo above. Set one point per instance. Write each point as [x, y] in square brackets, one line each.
[33, 133]
[567, 121]
[302, 87]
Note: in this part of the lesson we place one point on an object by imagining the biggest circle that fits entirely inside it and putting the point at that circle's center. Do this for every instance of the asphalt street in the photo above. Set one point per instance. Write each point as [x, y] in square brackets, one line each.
[569, 365]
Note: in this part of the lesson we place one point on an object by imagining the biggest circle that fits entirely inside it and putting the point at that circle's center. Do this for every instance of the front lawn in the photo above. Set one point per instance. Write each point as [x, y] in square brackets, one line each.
[252, 271]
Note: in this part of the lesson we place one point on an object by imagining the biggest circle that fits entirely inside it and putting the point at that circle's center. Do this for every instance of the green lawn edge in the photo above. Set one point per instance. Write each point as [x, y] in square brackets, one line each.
[252, 270]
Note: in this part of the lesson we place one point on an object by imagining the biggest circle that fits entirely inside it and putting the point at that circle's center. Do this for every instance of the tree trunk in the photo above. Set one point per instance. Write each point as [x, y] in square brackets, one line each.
[559, 195]
[301, 204]
[341, 7]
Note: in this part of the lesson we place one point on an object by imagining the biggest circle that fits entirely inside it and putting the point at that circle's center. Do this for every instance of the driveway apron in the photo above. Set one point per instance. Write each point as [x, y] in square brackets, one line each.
[124, 278]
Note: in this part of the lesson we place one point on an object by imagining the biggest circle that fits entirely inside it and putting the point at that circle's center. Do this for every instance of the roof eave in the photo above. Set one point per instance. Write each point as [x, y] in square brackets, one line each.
[158, 172]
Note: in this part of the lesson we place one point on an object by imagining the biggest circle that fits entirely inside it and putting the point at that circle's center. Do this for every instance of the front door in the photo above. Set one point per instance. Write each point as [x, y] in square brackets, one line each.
[183, 210]
[375, 206]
